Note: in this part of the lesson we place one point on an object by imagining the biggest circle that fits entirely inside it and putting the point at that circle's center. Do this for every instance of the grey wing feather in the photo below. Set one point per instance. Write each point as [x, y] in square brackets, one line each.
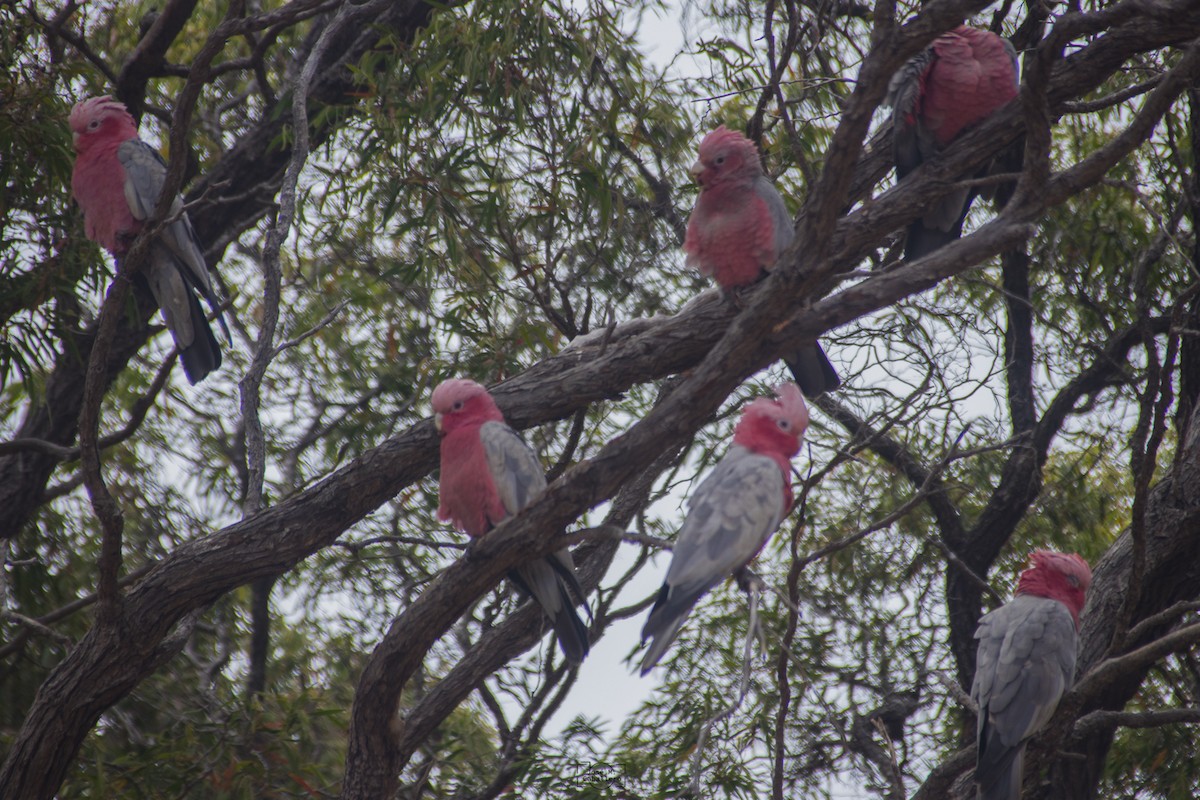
[176, 265]
[781, 221]
[732, 514]
[911, 143]
[1025, 663]
[519, 481]
[145, 172]
[809, 365]
[515, 469]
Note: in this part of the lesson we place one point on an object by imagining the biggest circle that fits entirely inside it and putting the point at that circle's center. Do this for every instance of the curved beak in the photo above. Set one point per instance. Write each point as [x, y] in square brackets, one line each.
[696, 169]
[437, 422]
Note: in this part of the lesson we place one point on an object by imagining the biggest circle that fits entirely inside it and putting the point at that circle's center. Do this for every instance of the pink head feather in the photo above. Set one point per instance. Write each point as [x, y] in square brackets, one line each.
[1064, 577]
[726, 155]
[774, 427]
[460, 402]
[102, 117]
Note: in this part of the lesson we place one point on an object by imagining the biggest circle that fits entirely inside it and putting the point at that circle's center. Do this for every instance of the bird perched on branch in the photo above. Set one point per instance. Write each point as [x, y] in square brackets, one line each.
[738, 230]
[1025, 663]
[488, 474]
[732, 513]
[963, 77]
[116, 181]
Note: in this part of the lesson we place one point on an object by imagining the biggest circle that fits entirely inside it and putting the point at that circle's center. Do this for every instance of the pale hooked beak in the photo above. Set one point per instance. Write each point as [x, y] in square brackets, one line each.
[437, 422]
[696, 169]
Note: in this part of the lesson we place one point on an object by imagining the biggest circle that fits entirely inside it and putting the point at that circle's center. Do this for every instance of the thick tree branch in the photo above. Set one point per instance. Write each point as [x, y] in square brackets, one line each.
[231, 197]
[110, 663]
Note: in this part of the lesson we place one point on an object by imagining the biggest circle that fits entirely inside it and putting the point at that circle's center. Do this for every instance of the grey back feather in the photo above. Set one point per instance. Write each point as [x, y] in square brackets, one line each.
[145, 173]
[1026, 662]
[519, 481]
[176, 265]
[515, 469]
[731, 515]
[781, 221]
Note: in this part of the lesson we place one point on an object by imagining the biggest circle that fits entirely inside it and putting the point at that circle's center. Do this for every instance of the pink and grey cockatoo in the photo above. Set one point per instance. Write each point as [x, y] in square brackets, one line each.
[732, 513]
[956, 82]
[738, 230]
[489, 474]
[1025, 663]
[116, 181]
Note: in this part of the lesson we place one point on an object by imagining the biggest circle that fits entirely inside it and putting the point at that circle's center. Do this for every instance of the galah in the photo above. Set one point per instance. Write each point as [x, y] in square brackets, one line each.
[489, 474]
[732, 513]
[116, 181]
[956, 82]
[738, 230]
[1025, 663]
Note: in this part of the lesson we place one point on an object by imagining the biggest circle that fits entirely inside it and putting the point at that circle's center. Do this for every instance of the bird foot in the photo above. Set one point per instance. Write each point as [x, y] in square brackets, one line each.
[747, 579]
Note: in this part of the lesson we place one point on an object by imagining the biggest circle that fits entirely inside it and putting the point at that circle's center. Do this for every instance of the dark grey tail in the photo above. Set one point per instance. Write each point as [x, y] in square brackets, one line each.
[572, 633]
[998, 771]
[543, 581]
[812, 371]
[203, 355]
[923, 240]
[670, 611]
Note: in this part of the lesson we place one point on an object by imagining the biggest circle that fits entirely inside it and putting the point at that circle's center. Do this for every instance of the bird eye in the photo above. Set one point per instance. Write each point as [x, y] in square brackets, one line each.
[719, 160]
[783, 424]
[457, 405]
[93, 125]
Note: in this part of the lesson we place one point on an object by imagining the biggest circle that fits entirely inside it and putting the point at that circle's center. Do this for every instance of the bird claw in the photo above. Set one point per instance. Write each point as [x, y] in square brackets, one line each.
[469, 550]
[734, 296]
[747, 580]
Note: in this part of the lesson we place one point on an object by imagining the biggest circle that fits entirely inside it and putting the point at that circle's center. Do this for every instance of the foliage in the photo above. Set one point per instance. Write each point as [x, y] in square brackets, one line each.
[502, 180]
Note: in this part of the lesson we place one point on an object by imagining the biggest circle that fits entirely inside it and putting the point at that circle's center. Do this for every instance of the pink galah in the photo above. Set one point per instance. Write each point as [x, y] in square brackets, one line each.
[738, 230]
[955, 83]
[116, 181]
[1025, 663]
[489, 474]
[732, 513]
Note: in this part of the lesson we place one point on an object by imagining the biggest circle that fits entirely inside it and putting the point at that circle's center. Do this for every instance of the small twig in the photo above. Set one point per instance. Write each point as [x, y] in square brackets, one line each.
[1109, 100]
[357, 547]
[846, 541]
[54, 28]
[137, 415]
[1104, 719]
[1161, 618]
[608, 532]
[37, 627]
[1106, 672]
[807, 82]
[753, 588]
[954, 690]
[315, 329]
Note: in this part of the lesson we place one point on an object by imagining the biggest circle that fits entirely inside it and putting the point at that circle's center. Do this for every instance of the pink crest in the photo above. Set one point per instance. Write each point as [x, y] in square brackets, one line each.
[461, 402]
[774, 427]
[723, 143]
[1064, 577]
[96, 110]
[791, 402]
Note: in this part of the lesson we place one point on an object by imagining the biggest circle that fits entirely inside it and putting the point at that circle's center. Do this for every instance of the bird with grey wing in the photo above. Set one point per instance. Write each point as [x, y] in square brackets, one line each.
[116, 180]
